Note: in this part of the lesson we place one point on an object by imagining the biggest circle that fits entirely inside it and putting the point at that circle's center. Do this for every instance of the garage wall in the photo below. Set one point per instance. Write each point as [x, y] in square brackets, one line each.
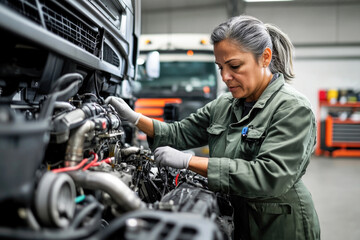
[326, 37]
[327, 44]
[332, 23]
[184, 20]
[304, 23]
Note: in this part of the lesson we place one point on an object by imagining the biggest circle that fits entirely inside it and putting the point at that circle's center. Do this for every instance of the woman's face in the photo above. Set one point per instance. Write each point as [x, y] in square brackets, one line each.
[242, 73]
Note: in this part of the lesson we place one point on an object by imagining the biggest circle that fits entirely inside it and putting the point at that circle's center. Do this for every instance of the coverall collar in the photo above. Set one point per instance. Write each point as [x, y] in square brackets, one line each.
[261, 102]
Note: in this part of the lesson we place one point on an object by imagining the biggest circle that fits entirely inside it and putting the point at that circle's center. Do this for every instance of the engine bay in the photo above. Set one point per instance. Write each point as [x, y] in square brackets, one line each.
[70, 168]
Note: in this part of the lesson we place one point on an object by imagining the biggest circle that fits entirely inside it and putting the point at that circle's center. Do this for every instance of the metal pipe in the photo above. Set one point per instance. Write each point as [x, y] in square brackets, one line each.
[63, 105]
[118, 190]
[74, 149]
[73, 117]
[130, 150]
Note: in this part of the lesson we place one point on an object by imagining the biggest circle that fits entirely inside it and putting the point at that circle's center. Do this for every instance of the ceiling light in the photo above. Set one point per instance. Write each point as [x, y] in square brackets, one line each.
[268, 0]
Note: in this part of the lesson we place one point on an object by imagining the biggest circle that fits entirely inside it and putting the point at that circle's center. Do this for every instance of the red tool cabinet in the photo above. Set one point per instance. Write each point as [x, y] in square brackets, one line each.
[338, 137]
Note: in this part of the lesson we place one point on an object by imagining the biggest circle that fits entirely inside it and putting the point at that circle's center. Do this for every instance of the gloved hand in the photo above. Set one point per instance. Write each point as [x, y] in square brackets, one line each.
[168, 156]
[123, 109]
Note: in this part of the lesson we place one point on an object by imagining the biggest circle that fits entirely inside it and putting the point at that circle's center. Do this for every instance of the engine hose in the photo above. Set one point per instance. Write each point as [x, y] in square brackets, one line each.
[65, 79]
[85, 212]
[117, 189]
[74, 149]
[63, 105]
[49, 103]
[130, 150]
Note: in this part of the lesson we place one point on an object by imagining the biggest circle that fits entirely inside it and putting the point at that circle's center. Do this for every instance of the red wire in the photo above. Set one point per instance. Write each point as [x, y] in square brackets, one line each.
[65, 169]
[106, 160]
[92, 162]
[177, 179]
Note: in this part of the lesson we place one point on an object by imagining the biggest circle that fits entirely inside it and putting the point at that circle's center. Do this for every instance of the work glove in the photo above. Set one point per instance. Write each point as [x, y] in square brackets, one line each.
[123, 109]
[168, 156]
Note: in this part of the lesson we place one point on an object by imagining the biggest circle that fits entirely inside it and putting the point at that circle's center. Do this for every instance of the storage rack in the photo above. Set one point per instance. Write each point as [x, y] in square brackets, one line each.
[336, 137]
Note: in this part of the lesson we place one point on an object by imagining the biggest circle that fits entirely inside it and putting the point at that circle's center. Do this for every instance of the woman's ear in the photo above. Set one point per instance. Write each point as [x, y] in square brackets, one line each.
[266, 57]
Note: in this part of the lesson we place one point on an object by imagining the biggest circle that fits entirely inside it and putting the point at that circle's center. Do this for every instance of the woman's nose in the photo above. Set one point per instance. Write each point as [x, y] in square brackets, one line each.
[226, 76]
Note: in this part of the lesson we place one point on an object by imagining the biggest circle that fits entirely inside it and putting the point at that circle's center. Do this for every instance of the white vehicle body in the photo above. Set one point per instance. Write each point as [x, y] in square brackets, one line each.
[189, 77]
[186, 47]
[188, 64]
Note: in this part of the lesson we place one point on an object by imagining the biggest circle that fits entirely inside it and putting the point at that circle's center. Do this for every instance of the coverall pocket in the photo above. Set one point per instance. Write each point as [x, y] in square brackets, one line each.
[271, 221]
[252, 143]
[214, 134]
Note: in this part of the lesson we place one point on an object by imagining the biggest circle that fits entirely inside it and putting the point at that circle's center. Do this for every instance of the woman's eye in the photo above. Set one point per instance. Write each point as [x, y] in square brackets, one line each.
[235, 67]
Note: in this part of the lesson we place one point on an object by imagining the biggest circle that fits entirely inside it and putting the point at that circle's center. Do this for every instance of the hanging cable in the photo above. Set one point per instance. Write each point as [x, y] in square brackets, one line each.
[91, 209]
[92, 162]
[106, 160]
[97, 89]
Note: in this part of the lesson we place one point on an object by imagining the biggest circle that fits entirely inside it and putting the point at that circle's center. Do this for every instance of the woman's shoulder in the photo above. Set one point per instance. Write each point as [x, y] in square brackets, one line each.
[290, 97]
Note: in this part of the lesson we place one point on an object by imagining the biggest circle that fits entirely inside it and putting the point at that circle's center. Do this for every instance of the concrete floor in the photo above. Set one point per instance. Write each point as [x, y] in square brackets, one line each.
[335, 186]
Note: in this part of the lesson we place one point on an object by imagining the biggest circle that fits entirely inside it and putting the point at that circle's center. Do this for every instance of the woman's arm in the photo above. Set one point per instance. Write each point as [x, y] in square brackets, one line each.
[199, 165]
[146, 125]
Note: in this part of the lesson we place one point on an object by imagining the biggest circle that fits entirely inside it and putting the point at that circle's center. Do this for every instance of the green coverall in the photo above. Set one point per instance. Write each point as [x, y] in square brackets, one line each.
[261, 170]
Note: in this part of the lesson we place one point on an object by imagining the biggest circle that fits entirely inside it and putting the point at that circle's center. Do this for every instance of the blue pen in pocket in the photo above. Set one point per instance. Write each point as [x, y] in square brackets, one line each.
[244, 132]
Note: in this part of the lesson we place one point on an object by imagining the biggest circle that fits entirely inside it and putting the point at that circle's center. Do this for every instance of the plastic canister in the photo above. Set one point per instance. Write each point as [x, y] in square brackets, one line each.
[332, 95]
[322, 95]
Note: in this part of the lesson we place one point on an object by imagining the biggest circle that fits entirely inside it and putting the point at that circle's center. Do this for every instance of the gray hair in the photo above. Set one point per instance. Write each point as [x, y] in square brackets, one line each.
[254, 36]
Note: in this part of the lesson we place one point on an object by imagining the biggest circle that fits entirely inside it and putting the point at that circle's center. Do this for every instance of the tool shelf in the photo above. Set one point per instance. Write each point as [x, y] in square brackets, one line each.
[338, 137]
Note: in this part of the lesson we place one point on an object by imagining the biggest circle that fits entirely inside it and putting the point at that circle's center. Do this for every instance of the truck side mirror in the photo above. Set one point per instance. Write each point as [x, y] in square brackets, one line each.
[152, 65]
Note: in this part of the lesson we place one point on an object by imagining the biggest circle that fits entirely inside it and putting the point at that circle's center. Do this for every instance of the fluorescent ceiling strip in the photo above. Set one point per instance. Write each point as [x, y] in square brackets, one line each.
[268, 0]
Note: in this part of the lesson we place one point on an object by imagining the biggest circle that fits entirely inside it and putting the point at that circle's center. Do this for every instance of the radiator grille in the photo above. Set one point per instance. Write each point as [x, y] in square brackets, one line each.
[66, 23]
[71, 28]
[110, 56]
[27, 8]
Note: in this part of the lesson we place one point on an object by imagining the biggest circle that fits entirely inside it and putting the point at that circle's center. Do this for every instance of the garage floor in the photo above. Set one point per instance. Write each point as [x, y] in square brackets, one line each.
[335, 186]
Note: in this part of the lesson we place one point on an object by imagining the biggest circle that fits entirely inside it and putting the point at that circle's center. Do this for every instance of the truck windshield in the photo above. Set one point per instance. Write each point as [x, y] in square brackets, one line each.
[179, 79]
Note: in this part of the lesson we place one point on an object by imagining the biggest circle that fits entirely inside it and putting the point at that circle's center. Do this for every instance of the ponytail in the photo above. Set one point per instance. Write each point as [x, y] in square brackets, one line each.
[282, 52]
[254, 36]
